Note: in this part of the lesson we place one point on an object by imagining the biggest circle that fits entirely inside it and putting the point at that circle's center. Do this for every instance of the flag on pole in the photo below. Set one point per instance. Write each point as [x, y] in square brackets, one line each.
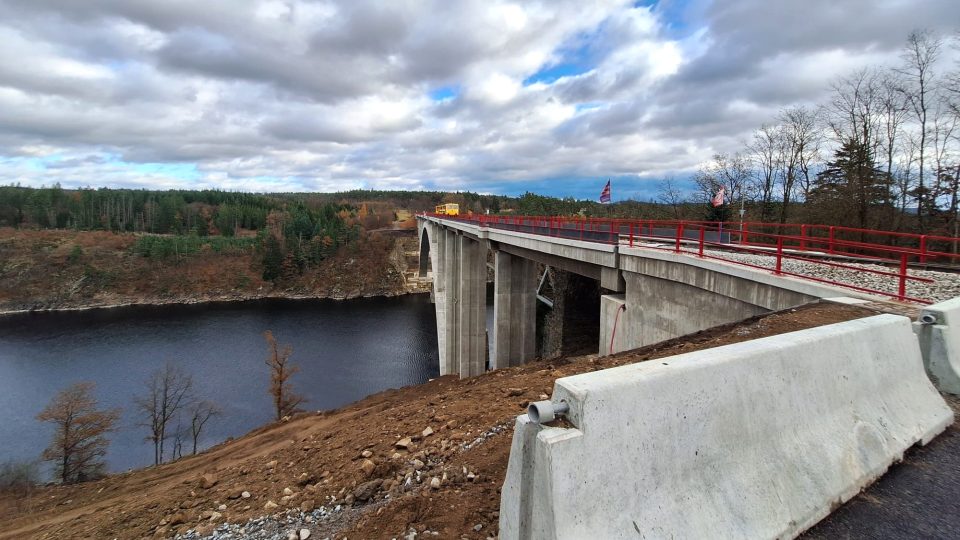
[717, 199]
[605, 194]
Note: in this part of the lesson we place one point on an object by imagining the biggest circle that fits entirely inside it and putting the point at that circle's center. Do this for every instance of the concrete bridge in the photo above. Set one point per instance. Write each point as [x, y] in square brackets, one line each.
[644, 290]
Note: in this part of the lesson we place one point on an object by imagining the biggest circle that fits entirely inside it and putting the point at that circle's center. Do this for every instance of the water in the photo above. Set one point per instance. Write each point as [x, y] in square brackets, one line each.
[346, 350]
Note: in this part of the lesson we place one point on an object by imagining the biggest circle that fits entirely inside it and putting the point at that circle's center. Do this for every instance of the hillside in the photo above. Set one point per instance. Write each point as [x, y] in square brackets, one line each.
[62, 269]
[430, 458]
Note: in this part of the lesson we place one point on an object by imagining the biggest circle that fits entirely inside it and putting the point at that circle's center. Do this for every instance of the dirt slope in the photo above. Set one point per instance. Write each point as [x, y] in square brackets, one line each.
[319, 456]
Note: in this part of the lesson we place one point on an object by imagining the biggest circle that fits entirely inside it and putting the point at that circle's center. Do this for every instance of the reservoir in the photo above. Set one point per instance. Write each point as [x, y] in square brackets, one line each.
[345, 350]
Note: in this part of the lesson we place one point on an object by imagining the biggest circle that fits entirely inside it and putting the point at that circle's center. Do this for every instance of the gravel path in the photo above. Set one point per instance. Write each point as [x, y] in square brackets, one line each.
[944, 287]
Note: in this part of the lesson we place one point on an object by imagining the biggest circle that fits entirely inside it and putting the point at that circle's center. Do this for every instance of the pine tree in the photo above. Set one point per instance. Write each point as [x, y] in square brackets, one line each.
[850, 179]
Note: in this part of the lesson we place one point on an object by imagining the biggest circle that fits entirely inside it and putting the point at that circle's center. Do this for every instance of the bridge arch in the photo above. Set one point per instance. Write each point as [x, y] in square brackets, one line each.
[425, 252]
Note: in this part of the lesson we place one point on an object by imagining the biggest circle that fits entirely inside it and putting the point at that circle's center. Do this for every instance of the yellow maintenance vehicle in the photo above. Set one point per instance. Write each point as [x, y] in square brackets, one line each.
[449, 209]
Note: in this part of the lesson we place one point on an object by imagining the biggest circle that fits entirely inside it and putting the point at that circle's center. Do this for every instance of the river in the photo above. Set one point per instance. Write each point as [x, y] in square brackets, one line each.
[346, 350]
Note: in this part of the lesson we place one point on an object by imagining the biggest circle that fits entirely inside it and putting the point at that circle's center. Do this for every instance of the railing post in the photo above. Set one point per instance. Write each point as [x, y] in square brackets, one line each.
[631, 234]
[701, 242]
[923, 248]
[831, 239]
[613, 237]
[679, 235]
[902, 289]
[779, 255]
[803, 237]
[744, 232]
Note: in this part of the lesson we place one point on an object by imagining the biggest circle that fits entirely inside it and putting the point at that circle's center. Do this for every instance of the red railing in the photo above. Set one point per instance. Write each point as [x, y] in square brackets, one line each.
[826, 251]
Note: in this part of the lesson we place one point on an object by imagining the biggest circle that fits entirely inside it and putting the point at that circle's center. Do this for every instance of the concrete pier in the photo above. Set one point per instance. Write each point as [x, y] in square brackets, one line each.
[450, 357]
[514, 310]
[472, 307]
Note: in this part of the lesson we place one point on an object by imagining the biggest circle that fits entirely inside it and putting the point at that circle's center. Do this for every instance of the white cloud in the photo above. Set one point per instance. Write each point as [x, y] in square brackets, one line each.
[304, 95]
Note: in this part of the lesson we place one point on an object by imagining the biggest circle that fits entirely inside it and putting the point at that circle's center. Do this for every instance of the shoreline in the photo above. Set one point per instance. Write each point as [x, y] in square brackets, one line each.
[196, 301]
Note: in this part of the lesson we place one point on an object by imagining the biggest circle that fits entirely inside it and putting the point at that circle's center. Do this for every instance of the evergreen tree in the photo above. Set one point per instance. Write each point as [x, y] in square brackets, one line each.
[850, 179]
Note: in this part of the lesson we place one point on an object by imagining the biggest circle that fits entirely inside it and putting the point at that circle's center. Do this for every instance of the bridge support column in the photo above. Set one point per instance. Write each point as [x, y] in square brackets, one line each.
[438, 259]
[514, 310]
[472, 307]
[450, 330]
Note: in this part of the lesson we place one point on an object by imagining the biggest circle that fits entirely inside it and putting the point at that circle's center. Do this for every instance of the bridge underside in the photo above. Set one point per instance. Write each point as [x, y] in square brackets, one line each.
[646, 296]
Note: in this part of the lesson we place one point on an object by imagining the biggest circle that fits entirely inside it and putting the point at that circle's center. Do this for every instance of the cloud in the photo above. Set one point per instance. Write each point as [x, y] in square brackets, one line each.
[483, 95]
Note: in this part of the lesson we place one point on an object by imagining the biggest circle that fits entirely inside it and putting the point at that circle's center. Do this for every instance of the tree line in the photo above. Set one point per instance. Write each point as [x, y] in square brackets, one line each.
[170, 410]
[882, 152]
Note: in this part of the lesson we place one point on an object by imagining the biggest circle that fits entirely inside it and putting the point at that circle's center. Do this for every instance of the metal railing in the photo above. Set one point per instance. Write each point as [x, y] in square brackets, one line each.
[822, 248]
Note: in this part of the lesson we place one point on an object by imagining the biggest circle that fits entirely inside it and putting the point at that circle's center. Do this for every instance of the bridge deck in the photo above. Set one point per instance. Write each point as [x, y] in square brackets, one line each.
[879, 263]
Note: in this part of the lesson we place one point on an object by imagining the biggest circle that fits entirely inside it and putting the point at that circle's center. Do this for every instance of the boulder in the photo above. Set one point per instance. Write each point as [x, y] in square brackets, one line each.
[367, 490]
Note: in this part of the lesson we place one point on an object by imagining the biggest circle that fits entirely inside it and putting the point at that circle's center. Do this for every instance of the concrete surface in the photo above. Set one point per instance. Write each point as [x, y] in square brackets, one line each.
[660, 309]
[613, 337]
[451, 319]
[751, 440]
[472, 307]
[514, 311]
[940, 344]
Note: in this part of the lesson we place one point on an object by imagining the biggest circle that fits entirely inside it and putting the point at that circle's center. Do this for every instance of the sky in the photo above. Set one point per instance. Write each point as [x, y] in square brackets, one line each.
[552, 97]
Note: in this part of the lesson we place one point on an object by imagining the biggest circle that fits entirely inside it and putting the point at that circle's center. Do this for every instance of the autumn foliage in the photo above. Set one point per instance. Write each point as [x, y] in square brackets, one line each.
[78, 444]
[285, 401]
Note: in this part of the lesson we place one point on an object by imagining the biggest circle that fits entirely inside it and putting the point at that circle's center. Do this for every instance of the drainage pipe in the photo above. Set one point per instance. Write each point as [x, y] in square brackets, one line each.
[542, 412]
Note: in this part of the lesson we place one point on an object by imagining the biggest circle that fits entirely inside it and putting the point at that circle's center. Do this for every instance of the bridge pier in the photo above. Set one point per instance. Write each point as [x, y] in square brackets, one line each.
[449, 362]
[472, 307]
[514, 310]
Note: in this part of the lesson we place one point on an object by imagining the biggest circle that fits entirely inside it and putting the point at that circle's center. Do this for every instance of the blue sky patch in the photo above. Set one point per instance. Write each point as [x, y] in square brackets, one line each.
[445, 92]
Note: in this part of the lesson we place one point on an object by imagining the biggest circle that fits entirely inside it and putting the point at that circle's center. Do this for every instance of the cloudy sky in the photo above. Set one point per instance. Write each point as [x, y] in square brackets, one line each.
[491, 96]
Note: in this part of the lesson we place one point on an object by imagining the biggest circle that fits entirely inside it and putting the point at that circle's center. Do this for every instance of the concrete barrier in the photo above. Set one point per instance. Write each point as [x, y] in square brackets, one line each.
[759, 439]
[939, 332]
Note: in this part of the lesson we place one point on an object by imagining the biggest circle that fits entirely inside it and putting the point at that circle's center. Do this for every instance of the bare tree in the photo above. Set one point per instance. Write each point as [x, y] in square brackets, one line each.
[732, 172]
[893, 111]
[800, 128]
[78, 444]
[852, 111]
[200, 413]
[169, 390]
[767, 153]
[285, 401]
[669, 194]
[917, 86]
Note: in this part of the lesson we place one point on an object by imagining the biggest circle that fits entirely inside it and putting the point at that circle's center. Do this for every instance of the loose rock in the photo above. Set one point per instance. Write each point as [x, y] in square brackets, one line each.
[208, 480]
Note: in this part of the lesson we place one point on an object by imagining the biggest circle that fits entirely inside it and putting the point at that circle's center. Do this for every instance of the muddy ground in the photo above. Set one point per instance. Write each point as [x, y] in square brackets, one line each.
[376, 459]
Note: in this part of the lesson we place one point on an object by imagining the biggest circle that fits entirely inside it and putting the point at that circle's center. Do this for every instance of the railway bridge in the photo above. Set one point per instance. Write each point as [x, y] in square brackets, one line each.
[655, 280]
